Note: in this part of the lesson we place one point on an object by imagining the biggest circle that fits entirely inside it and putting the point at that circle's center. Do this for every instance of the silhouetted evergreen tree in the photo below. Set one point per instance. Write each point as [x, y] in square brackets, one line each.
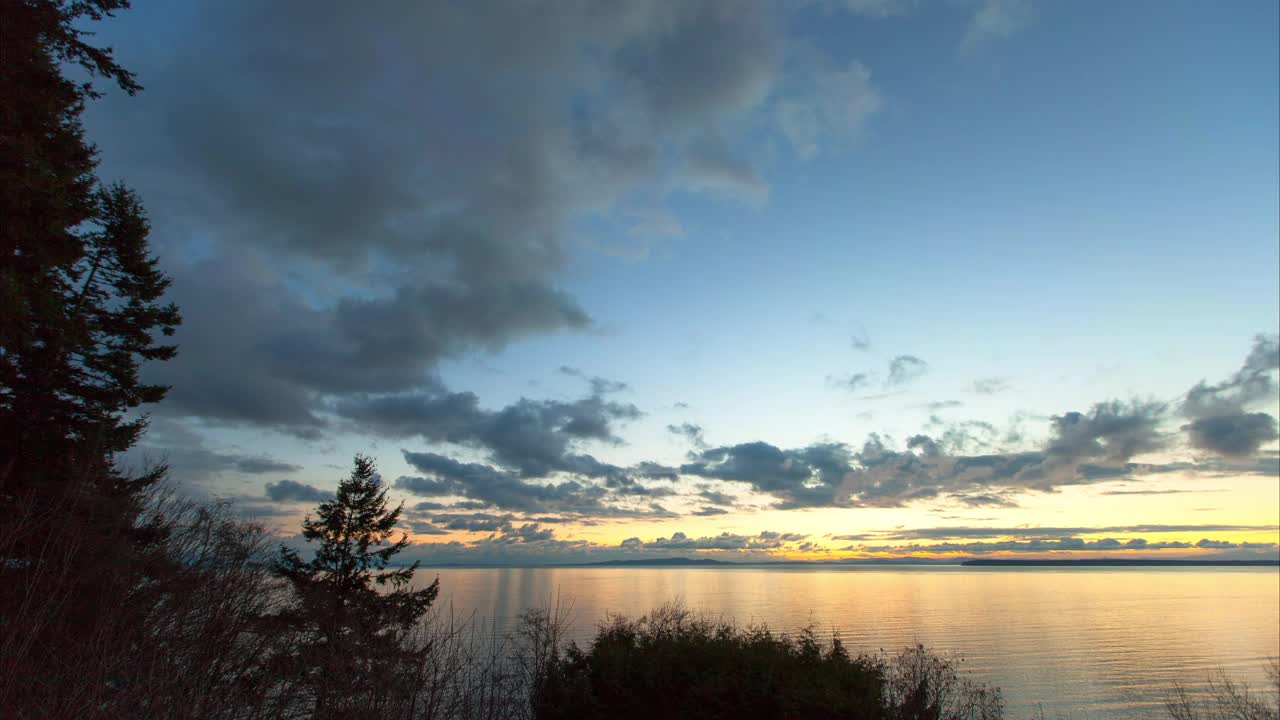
[352, 613]
[80, 309]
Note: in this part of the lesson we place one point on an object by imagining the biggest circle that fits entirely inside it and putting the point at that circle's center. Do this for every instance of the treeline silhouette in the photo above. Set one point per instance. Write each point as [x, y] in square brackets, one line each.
[121, 599]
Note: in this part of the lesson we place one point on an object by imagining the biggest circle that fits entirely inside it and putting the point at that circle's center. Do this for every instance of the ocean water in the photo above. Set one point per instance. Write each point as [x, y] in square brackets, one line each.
[1071, 642]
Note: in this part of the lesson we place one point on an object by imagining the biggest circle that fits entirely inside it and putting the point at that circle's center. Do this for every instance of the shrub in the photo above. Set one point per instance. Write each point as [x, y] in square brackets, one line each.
[672, 663]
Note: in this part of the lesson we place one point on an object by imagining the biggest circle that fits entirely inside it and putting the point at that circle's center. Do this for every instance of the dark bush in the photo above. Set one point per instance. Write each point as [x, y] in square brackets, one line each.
[672, 664]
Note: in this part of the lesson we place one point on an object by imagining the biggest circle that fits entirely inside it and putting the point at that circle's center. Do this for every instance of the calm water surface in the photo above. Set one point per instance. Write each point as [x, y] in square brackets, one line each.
[1077, 642]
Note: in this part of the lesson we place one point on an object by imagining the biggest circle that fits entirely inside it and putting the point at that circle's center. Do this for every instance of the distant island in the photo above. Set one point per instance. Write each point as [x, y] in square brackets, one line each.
[1121, 562]
[661, 562]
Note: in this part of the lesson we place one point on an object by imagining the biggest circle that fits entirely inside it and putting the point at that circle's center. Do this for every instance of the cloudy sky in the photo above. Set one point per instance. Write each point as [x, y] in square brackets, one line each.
[822, 279]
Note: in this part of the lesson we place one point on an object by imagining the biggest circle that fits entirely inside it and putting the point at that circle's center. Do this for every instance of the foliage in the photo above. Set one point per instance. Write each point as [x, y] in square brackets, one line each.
[80, 294]
[1227, 699]
[920, 685]
[671, 663]
[81, 306]
[353, 614]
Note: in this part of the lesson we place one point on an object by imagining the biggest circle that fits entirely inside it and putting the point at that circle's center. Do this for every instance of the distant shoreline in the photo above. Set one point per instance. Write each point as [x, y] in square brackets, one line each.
[1120, 562]
[911, 562]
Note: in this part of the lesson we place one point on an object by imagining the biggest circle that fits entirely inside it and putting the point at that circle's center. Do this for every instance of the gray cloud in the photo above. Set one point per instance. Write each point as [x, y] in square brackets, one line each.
[905, 369]
[260, 465]
[803, 477]
[828, 104]
[681, 71]
[194, 464]
[1154, 492]
[941, 405]
[690, 432]
[990, 386]
[1090, 447]
[1252, 383]
[983, 500]
[425, 528]
[478, 522]
[715, 497]
[599, 385]
[878, 8]
[423, 230]
[625, 485]
[1057, 545]
[536, 437]
[1232, 436]
[1220, 421]
[1083, 448]
[293, 491]
[508, 490]
[995, 19]
[766, 540]
[488, 484]
[709, 510]
[979, 533]
[712, 166]
[860, 340]
[852, 383]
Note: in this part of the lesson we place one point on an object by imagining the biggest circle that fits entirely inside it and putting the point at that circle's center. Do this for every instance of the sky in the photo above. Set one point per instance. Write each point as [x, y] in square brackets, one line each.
[824, 279]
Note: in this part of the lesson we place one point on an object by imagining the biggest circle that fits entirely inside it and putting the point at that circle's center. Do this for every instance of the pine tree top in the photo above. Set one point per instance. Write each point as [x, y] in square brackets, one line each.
[355, 535]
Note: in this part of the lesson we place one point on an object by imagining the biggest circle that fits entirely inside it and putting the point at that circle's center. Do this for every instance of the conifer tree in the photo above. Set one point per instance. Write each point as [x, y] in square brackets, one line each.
[81, 308]
[353, 614]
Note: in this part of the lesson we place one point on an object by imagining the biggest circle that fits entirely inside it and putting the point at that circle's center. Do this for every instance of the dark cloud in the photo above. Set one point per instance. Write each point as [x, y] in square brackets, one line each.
[708, 510]
[984, 500]
[690, 432]
[293, 491]
[654, 471]
[536, 437]
[1082, 448]
[1088, 447]
[508, 490]
[803, 477]
[259, 465]
[488, 484]
[1251, 384]
[682, 72]
[477, 522]
[421, 230]
[1110, 432]
[193, 465]
[425, 528]
[1220, 423]
[905, 369]
[1232, 436]
[271, 361]
[599, 385]
[625, 485]
[715, 497]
